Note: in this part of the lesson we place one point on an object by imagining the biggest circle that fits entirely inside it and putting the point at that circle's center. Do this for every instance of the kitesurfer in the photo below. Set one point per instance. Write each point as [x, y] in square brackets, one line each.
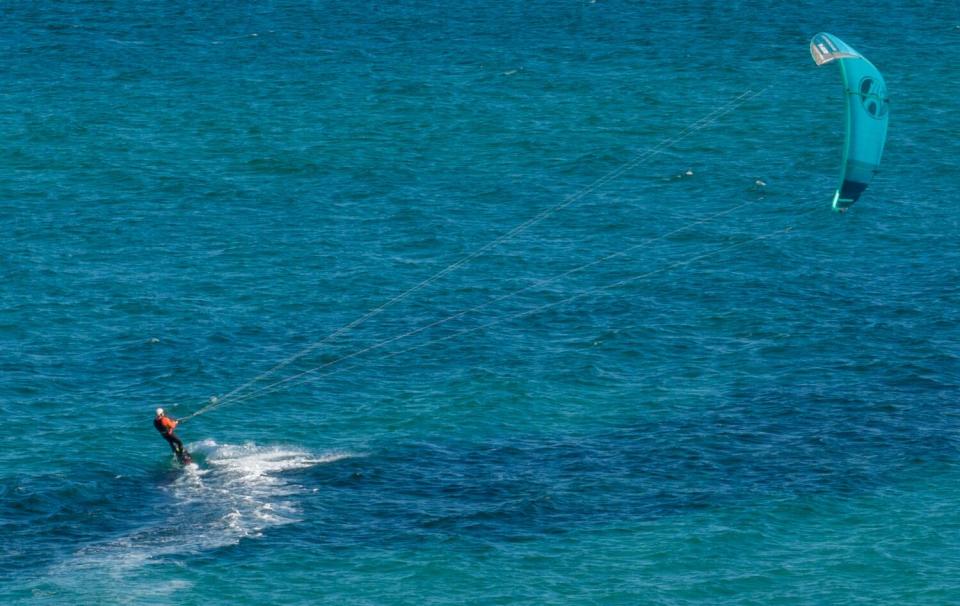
[165, 425]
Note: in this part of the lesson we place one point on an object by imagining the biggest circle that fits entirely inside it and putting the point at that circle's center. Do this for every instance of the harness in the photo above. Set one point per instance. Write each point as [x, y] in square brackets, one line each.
[162, 427]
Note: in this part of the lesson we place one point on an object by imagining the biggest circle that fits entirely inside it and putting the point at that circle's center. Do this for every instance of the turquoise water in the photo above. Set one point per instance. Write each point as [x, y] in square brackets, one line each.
[749, 400]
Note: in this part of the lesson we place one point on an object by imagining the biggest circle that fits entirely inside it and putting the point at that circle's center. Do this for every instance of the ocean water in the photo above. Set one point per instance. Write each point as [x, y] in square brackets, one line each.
[597, 362]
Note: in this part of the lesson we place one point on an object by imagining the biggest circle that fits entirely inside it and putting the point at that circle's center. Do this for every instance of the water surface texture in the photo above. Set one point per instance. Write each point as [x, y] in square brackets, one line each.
[672, 384]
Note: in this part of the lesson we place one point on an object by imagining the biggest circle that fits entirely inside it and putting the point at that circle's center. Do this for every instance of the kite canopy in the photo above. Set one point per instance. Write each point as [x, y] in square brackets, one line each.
[867, 115]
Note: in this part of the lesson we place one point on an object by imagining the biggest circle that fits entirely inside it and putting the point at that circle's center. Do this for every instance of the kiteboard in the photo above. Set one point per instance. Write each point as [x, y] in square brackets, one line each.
[183, 457]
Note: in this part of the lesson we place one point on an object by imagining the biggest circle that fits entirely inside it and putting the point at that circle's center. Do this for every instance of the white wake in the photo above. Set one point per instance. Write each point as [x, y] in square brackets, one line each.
[235, 493]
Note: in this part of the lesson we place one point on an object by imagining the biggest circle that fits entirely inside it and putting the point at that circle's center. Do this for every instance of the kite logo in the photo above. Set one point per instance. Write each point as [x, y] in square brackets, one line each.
[873, 97]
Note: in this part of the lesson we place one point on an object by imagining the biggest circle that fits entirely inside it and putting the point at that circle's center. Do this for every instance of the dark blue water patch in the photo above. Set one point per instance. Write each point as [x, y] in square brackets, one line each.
[46, 518]
[758, 449]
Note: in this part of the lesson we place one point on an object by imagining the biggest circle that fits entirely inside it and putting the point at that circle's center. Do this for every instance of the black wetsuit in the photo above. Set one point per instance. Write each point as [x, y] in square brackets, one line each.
[175, 444]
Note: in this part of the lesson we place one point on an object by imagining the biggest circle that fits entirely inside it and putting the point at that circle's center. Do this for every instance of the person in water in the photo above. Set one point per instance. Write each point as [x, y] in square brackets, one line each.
[165, 425]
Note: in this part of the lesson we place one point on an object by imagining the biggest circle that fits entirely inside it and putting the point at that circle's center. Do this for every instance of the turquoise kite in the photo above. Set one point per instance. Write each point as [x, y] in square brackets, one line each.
[867, 115]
